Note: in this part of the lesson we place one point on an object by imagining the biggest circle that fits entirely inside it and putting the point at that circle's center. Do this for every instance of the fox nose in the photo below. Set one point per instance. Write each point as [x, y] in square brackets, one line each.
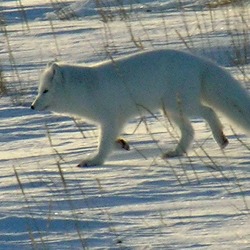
[32, 107]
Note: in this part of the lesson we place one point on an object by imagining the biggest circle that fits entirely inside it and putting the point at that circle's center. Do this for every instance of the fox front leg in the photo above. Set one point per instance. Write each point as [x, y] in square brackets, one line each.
[108, 135]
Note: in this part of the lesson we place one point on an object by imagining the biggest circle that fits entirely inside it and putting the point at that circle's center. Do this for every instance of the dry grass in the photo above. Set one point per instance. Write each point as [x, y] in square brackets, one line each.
[3, 89]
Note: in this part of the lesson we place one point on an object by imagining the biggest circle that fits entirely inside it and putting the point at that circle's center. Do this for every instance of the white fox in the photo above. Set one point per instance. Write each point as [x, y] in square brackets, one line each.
[110, 93]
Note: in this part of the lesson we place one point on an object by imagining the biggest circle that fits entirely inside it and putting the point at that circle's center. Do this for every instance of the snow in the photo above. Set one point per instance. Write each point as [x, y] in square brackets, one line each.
[136, 200]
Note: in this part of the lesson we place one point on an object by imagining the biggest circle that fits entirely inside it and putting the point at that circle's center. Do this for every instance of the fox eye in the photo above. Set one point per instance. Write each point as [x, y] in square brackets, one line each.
[45, 91]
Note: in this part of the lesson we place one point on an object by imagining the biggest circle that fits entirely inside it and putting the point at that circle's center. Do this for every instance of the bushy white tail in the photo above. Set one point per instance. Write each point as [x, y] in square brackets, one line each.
[221, 91]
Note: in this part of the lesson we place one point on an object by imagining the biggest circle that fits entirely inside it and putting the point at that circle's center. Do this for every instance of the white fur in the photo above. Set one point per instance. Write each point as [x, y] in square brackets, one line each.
[110, 93]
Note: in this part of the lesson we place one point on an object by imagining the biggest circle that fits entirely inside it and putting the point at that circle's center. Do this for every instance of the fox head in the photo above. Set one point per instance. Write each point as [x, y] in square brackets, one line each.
[50, 80]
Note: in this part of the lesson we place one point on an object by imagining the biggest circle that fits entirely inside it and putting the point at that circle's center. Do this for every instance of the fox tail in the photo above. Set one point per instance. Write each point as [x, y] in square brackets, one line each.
[224, 93]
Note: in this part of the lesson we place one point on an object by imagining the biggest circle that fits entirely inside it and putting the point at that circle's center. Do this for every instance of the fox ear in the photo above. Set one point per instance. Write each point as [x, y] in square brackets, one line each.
[54, 67]
[56, 70]
[49, 64]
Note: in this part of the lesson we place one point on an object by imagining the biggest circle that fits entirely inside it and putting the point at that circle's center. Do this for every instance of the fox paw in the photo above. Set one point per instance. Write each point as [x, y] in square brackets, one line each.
[225, 142]
[121, 143]
[90, 162]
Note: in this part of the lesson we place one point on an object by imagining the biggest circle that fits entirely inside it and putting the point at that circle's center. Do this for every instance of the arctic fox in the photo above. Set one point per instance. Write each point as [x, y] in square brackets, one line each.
[112, 92]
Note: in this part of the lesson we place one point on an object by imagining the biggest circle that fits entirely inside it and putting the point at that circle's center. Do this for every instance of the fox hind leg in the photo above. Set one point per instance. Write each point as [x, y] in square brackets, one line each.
[187, 134]
[214, 123]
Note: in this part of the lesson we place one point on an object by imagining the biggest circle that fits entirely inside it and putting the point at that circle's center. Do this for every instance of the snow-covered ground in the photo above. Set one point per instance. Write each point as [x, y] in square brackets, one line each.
[136, 200]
